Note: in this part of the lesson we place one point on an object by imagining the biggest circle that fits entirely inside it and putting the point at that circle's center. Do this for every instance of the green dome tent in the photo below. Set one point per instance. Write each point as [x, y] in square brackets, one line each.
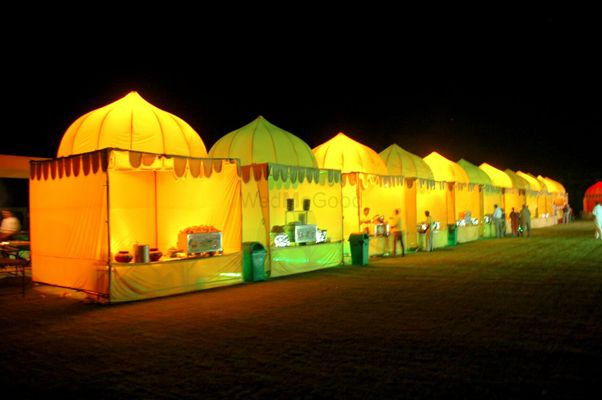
[260, 142]
[283, 188]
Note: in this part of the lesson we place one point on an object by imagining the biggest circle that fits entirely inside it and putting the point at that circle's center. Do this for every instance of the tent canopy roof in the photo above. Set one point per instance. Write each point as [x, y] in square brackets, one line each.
[592, 196]
[498, 177]
[402, 162]
[444, 169]
[551, 185]
[261, 142]
[345, 154]
[517, 181]
[131, 123]
[533, 182]
[475, 174]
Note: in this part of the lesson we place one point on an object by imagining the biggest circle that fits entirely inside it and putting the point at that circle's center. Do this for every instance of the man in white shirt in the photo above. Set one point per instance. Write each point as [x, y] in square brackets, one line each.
[498, 221]
[597, 213]
[10, 225]
[396, 233]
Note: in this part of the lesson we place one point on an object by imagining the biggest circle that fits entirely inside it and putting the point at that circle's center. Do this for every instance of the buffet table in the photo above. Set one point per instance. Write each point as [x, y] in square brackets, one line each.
[468, 233]
[297, 259]
[439, 239]
[488, 230]
[542, 222]
[137, 281]
[378, 245]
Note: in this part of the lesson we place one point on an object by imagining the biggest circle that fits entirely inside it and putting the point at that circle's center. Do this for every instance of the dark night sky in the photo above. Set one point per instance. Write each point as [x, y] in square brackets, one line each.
[516, 92]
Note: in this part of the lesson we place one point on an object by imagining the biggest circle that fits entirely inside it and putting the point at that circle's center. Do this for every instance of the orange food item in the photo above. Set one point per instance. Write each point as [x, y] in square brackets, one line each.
[200, 229]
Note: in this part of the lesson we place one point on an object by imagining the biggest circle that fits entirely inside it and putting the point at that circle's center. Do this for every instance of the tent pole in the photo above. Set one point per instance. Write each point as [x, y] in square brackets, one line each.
[108, 222]
[240, 183]
[342, 218]
[358, 195]
[156, 213]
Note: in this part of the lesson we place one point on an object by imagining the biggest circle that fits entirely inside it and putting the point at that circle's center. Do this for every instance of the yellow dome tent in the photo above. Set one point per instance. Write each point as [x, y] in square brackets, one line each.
[498, 177]
[556, 188]
[536, 200]
[501, 179]
[402, 162]
[366, 184]
[419, 185]
[108, 191]
[556, 197]
[489, 195]
[345, 154]
[131, 123]
[523, 188]
[445, 170]
[461, 197]
[284, 191]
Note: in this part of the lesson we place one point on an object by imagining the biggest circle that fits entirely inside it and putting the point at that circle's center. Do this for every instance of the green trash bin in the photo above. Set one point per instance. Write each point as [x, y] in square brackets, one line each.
[253, 260]
[452, 235]
[359, 245]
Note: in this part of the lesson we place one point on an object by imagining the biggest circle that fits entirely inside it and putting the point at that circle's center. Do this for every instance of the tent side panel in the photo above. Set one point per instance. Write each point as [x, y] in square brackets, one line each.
[69, 245]
[541, 204]
[512, 198]
[432, 197]
[491, 196]
[467, 199]
[531, 197]
[450, 201]
[213, 200]
[351, 214]
[132, 216]
[253, 207]
[382, 200]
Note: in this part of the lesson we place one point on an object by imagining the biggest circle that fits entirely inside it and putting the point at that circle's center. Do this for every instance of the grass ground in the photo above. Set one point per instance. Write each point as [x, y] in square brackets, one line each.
[492, 319]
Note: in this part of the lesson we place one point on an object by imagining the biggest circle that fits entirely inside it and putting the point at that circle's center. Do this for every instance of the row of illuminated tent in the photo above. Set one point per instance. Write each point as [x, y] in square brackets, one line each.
[130, 173]
[455, 193]
[451, 191]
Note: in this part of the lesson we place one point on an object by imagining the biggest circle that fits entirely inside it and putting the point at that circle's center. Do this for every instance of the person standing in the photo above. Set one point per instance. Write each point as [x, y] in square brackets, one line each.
[525, 220]
[365, 222]
[514, 221]
[597, 213]
[396, 232]
[566, 213]
[498, 221]
[10, 225]
[429, 231]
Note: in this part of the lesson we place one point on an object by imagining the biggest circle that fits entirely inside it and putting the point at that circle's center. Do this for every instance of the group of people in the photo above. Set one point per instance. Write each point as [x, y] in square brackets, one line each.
[520, 221]
[395, 229]
[520, 224]
[396, 232]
